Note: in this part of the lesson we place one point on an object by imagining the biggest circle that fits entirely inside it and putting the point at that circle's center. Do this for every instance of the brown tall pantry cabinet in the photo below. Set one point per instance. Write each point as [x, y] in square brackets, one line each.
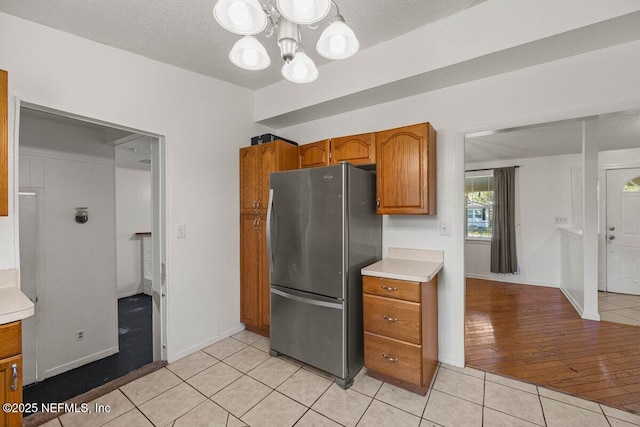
[256, 163]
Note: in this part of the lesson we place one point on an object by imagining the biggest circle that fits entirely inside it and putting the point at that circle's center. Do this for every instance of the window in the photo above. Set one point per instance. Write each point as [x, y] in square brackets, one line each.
[632, 186]
[479, 204]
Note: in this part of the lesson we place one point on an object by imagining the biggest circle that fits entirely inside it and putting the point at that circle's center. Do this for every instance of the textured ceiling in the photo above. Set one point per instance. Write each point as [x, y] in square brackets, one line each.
[184, 33]
[615, 132]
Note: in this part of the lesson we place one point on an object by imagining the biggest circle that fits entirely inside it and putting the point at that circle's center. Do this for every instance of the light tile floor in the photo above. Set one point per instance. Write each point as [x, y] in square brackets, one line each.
[619, 308]
[235, 382]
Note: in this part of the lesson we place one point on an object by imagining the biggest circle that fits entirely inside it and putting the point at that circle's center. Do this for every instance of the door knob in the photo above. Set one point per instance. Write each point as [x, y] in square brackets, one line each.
[611, 237]
[612, 228]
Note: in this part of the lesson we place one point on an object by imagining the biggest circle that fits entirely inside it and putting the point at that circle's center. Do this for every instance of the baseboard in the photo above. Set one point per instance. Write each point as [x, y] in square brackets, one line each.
[573, 302]
[452, 361]
[512, 278]
[175, 357]
[129, 294]
[80, 362]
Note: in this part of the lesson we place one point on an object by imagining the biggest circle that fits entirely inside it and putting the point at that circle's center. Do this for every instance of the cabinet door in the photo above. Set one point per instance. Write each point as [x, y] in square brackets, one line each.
[314, 154]
[249, 162]
[11, 389]
[406, 173]
[4, 146]
[356, 149]
[250, 247]
[268, 163]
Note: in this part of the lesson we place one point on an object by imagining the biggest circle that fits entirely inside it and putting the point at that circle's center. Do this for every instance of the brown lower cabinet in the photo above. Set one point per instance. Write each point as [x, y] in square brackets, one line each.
[254, 274]
[11, 372]
[401, 331]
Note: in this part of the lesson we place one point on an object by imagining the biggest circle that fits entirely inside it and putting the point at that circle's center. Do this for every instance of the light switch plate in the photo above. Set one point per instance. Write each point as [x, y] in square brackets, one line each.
[445, 228]
[181, 231]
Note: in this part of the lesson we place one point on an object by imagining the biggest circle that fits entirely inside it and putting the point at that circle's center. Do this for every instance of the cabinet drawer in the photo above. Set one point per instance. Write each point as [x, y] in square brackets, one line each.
[10, 340]
[402, 361]
[400, 289]
[393, 318]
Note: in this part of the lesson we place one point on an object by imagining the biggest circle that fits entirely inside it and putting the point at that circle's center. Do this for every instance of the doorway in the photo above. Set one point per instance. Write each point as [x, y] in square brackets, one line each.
[623, 231]
[49, 228]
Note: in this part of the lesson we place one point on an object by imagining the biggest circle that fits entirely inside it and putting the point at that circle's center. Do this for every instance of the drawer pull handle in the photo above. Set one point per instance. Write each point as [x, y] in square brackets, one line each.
[14, 377]
[386, 288]
[389, 319]
[389, 358]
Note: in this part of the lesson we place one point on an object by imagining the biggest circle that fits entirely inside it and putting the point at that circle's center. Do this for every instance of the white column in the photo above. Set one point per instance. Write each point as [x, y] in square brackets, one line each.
[590, 217]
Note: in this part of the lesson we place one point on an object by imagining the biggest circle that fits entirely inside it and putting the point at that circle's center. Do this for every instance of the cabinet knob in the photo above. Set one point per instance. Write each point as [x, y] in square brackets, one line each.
[389, 319]
[255, 223]
[258, 205]
[386, 288]
[378, 203]
[389, 358]
[258, 227]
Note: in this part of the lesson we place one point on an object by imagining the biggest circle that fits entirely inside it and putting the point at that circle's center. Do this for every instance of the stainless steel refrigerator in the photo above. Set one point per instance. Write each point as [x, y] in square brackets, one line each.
[322, 228]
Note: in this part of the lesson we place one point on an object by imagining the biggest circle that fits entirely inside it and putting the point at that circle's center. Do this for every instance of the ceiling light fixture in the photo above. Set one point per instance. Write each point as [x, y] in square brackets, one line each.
[248, 18]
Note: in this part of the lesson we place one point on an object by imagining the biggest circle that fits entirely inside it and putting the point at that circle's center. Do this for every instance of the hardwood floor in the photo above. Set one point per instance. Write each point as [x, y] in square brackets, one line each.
[534, 334]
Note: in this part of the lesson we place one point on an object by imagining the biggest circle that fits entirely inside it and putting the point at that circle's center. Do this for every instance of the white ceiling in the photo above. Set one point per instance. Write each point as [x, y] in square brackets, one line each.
[615, 132]
[185, 34]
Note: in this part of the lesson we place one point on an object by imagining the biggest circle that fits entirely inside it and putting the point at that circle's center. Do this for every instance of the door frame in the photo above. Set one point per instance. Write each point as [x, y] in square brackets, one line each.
[41, 296]
[602, 229]
[159, 209]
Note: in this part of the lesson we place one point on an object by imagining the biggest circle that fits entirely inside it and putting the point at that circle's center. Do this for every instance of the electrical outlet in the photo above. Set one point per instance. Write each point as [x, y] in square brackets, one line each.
[561, 220]
[80, 335]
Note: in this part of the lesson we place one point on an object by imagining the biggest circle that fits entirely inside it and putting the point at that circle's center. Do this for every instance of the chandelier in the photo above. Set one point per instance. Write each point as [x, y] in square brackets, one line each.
[248, 18]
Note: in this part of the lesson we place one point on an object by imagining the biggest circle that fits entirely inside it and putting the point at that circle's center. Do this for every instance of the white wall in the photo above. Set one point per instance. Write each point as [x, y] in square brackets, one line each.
[133, 215]
[597, 82]
[205, 121]
[77, 282]
[543, 192]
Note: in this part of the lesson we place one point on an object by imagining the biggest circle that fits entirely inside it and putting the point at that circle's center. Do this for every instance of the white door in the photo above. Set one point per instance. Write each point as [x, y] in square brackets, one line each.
[29, 260]
[623, 231]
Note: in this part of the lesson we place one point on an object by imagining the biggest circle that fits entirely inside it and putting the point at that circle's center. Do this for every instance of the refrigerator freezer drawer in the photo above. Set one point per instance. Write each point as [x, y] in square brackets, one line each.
[394, 358]
[393, 318]
[309, 329]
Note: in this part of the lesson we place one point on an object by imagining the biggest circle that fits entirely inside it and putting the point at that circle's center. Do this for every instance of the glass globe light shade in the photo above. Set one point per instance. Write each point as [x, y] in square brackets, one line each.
[244, 17]
[300, 70]
[337, 41]
[304, 11]
[250, 54]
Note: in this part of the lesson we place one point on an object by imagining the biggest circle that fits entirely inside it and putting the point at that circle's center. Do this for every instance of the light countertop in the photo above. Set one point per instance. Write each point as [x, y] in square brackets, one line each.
[415, 265]
[14, 305]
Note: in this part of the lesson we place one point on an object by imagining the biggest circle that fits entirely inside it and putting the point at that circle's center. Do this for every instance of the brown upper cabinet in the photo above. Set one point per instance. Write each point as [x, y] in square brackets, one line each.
[406, 170]
[4, 145]
[256, 163]
[314, 154]
[356, 149]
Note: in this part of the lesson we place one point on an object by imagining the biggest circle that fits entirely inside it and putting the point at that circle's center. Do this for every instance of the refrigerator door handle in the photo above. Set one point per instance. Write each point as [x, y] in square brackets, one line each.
[269, 214]
[307, 300]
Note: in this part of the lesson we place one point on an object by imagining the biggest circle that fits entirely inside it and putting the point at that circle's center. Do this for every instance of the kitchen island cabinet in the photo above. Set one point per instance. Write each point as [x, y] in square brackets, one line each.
[406, 170]
[400, 311]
